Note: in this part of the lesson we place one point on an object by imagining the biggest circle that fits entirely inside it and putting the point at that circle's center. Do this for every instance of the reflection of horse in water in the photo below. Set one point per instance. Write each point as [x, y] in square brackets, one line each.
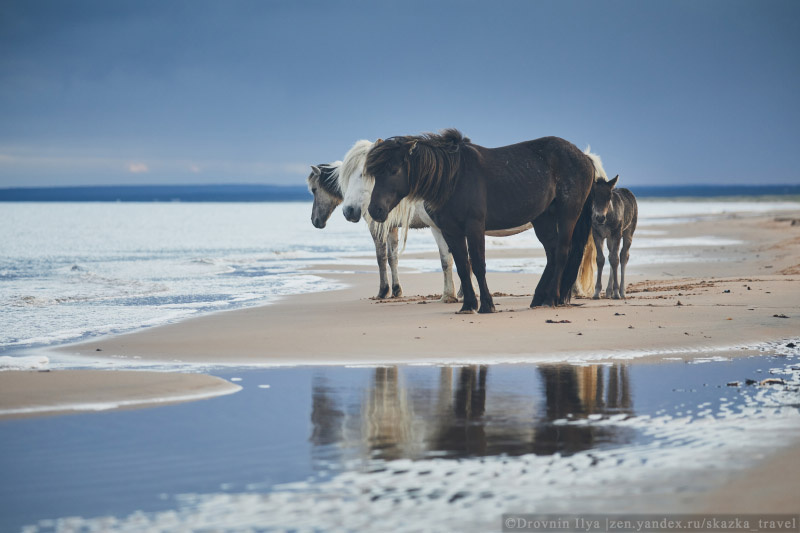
[386, 416]
[574, 393]
[460, 429]
[453, 417]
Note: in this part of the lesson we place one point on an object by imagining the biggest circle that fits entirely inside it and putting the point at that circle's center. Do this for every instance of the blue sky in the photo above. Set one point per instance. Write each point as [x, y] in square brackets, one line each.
[140, 92]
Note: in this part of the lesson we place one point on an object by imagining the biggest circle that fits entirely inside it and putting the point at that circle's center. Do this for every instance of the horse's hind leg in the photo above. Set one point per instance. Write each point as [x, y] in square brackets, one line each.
[477, 253]
[381, 256]
[601, 261]
[446, 258]
[545, 229]
[393, 245]
[624, 255]
[612, 290]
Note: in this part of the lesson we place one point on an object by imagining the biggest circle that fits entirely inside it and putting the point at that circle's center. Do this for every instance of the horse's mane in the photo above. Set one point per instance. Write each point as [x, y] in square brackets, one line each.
[432, 159]
[328, 179]
[599, 171]
[353, 162]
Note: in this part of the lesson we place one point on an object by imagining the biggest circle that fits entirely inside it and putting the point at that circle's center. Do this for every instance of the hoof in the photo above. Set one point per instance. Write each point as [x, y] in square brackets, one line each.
[383, 293]
[485, 309]
[467, 311]
[449, 299]
[596, 297]
[397, 291]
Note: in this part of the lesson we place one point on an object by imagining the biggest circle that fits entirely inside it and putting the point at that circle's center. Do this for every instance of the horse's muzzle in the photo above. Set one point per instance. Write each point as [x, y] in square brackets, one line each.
[318, 222]
[600, 220]
[352, 214]
[377, 213]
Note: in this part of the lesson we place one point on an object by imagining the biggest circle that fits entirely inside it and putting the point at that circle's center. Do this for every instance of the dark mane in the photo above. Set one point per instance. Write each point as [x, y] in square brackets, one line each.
[329, 180]
[432, 162]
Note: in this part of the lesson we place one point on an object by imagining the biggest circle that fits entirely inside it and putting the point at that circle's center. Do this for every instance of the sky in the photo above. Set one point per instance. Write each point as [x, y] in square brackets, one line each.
[182, 92]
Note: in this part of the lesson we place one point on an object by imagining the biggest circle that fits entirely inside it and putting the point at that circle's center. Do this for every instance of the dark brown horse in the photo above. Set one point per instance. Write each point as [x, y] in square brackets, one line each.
[469, 189]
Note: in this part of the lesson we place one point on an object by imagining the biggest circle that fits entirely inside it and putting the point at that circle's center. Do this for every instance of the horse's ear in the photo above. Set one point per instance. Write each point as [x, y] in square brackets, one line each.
[315, 169]
[379, 141]
[613, 182]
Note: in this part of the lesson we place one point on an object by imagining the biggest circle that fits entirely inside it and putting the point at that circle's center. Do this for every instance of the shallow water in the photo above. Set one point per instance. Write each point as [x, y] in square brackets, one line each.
[332, 448]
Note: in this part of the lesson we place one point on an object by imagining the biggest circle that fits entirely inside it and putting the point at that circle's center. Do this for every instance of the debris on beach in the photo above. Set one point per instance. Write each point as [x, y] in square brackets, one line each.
[549, 321]
[772, 381]
[780, 316]
[733, 384]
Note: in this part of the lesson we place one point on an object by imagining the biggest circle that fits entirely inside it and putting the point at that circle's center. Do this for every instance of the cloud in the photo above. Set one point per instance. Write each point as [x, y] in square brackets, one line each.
[138, 168]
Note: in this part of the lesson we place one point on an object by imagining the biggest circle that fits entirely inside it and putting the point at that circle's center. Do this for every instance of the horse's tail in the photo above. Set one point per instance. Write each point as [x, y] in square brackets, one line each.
[584, 285]
[580, 236]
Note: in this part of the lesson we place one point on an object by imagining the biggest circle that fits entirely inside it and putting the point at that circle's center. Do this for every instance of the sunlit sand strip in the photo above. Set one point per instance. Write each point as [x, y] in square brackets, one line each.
[37, 393]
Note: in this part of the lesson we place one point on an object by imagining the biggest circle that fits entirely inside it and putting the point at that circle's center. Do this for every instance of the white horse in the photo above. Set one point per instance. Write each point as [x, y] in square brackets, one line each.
[326, 184]
[408, 215]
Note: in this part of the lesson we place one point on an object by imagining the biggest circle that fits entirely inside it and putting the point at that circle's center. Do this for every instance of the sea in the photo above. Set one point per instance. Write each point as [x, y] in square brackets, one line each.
[351, 448]
[71, 271]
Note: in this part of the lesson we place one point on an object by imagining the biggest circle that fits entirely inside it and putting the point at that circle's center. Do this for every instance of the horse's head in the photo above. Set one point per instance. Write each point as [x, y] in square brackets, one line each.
[356, 196]
[602, 199]
[387, 164]
[325, 196]
[352, 181]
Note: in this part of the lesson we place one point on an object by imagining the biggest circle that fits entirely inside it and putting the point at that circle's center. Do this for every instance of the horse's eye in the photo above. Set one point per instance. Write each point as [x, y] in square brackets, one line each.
[314, 190]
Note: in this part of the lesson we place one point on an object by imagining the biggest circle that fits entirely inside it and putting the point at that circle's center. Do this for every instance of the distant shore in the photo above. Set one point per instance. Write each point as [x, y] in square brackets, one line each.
[299, 193]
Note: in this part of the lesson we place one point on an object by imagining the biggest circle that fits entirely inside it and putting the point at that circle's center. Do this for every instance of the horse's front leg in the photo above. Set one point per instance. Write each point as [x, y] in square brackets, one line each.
[601, 261]
[393, 248]
[612, 290]
[458, 247]
[381, 256]
[477, 253]
[446, 258]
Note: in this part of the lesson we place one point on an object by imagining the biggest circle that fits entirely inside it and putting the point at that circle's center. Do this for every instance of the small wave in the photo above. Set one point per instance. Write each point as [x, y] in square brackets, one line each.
[33, 362]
